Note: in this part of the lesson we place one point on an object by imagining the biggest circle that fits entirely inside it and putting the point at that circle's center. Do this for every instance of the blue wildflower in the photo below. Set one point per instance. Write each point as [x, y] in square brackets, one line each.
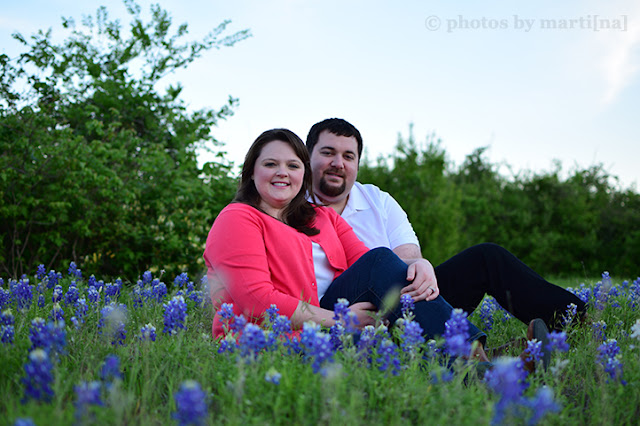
[272, 376]
[93, 295]
[148, 332]
[411, 336]
[191, 404]
[228, 344]
[598, 330]
[570, 314]
[6, 317]
[345, 316]
[38, 377]
[86, 394]
[52, 278]
[407, 305]
[110, 369]
[456, 334]
[57, 313]
[533, 351]
[239, 321]
[7, 333]
[51, 337]
[181, 280]
[388, 357]
[487, 309]
[252, 341]
[317, 346]
[507, 378]
[147, 277]
[113, 319]
[41, 301]
[608, 357]
[72, 295]
[72, 268]
[541, 404]
[41, 272]
[175, 314]
[23, 294]
[5, 298]
[558, 341]
[80, 309]
[24, 422]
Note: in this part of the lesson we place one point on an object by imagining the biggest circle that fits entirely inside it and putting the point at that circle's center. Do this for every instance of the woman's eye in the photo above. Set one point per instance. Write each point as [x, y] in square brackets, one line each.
[294, 166]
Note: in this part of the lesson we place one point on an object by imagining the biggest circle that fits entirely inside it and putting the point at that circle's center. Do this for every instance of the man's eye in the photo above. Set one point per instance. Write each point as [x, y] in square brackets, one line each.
[350, 157]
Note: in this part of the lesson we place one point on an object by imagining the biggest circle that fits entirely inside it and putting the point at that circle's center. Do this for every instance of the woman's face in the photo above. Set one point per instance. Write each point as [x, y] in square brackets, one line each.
[277, 175]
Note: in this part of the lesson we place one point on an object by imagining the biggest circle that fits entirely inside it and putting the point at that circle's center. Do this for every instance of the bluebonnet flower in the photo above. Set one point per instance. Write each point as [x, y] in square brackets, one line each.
[345, 316]
[598, 330]
[110, 369]
[441, 375]
[487, 308]
[7, 333]
[191, 404]
[558, 341]
[148, 332]
[228, 344]
[72, 268]
[239, 321]
[181, 280]
[370, 339]
[175, 314]
[72, 295]
[57, 313]
[57, 294]
[317, 346]
[41, 272]
[86, 394]
[281, 325]
[541, 404]
[80, 309]
[456, 334]
[24, 422]
[113, 289]
[147, 277]
[388, 357]
[608, 357]
[252, 341]
[336, 334]
[407, 305]
[75, 322]
[226, 315]
[52, 278]
[6, 317]
[5, 298]
[570, 314]
[93, 295]
[38, 376]
[158, 291]
[197, 296]
[113, 318]
[51, 337]
[411, 337]
[272, 376]
[533, 351]
[23, 294]
[136, 295]
[92, 282]
[507, 378]
[41, 301]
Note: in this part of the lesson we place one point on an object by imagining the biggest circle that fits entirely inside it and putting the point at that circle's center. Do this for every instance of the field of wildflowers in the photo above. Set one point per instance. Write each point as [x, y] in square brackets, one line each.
[77, 350]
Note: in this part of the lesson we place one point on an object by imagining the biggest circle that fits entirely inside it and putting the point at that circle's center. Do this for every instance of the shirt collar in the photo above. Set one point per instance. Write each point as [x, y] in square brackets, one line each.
[356, 201]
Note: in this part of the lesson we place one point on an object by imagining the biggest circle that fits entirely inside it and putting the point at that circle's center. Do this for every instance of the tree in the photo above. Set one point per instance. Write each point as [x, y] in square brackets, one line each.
[98, 165]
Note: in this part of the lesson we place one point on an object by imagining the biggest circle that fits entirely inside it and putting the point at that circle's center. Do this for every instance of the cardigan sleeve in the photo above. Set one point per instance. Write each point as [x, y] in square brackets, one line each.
[236, 250]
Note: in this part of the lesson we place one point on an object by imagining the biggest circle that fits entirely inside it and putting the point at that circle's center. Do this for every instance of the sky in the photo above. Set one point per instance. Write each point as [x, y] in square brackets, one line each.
[536, 82]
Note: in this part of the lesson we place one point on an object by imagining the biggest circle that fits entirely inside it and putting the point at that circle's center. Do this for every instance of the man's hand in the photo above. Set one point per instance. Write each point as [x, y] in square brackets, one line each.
[425, 284]
[365, 312]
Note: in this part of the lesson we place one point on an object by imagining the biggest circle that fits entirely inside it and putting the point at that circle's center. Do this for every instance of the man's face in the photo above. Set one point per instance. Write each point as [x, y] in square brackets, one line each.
[334, 164]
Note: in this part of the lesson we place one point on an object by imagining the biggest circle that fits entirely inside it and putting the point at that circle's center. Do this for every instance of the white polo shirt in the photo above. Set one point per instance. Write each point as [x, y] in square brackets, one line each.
[377, 219]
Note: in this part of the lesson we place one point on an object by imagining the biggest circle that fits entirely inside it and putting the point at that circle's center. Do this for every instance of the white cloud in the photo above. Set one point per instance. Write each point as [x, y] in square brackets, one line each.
[622, 63]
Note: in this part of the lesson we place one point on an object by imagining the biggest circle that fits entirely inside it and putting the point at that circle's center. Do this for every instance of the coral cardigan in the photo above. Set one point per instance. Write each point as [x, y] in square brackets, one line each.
[254, 260]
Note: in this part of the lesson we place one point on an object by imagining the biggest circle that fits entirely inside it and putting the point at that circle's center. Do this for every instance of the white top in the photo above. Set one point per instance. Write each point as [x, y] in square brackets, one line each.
[377, 219]
[322, 267]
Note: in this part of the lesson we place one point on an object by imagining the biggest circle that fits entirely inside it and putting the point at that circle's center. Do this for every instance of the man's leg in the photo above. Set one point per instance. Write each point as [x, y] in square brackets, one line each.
[490, 269]
[377, 274]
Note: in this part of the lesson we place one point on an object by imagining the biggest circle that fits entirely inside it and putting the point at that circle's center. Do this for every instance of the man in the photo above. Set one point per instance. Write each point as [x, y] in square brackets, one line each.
[335, 147]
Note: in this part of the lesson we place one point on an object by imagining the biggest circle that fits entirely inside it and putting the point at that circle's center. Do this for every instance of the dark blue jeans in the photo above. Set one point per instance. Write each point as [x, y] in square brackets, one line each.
[490, 269]
[376, 274]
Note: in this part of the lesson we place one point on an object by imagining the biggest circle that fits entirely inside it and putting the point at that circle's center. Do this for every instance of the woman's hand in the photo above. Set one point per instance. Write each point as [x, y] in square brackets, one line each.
[365, 312]
[424, 284]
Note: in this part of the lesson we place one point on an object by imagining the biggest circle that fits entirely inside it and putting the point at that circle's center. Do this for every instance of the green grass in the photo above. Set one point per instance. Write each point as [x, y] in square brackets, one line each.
[352, 392]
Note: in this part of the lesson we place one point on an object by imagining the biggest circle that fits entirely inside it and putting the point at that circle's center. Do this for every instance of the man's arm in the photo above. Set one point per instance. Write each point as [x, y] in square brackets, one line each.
[424, 285]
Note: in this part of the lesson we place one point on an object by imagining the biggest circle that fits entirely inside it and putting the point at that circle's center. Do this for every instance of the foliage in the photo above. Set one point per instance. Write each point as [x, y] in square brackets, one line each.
[98, 165]
[581, 224]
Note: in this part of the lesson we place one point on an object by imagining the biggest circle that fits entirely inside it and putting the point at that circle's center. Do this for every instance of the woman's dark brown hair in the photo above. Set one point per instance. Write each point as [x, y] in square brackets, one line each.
[299, 214]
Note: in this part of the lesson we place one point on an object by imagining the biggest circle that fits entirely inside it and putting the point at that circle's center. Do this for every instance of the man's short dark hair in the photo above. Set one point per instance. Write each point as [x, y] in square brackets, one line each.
[338, 127]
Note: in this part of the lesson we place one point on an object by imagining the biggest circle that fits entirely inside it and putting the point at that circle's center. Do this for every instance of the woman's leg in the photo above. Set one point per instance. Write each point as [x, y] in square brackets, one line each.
[380, 272]
[490, 269]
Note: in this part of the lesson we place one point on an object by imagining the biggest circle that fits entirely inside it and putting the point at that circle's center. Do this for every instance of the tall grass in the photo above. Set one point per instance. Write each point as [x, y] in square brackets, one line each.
[348, 390]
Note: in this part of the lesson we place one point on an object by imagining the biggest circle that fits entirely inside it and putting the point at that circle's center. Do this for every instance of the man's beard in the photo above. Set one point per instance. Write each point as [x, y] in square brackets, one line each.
[330, 190]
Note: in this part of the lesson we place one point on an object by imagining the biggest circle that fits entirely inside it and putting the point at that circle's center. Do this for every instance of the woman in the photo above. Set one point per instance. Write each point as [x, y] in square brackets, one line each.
[271, 246]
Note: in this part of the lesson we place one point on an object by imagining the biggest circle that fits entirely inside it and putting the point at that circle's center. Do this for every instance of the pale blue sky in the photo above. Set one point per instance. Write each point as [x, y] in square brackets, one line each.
[531, 96]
